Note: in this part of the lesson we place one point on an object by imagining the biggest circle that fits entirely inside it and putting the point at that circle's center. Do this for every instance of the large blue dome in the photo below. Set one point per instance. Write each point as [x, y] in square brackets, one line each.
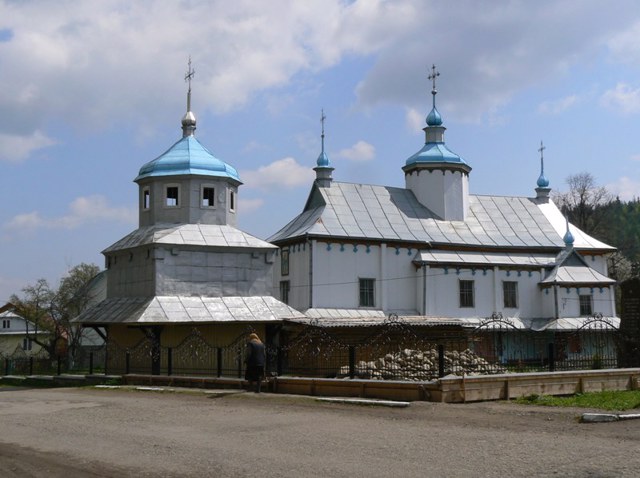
[187, 156]
[435, 153]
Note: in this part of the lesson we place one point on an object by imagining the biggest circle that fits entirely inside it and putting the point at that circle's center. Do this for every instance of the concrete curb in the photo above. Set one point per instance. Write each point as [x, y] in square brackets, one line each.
[365, 401]
[607, 417]
[144, 388]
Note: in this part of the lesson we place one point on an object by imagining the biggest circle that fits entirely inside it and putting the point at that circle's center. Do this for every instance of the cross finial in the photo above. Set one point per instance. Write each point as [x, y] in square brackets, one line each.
[322, 118]
[187, 77]
[432, 76]
[541, 150]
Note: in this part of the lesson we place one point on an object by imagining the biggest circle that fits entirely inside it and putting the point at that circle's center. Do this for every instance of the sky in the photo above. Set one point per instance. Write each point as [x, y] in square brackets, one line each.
[90, 91]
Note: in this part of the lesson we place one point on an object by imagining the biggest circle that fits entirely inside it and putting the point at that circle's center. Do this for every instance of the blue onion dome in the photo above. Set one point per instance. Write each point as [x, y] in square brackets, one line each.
[568, 237]
[187, 157]
[434, 118]
[323, 160]
[543, 182]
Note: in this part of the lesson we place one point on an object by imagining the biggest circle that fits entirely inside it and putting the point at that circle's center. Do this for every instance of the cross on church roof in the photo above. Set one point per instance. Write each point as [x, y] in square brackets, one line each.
[541, 149]
[187, 77]
[432, 76]
[322, 118]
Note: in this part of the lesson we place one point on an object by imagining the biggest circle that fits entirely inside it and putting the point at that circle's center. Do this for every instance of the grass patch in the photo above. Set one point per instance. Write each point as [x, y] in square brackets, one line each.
[607, 400]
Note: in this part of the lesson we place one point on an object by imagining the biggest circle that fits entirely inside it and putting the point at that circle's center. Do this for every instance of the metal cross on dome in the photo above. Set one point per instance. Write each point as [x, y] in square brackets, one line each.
[541, 149]
[432, 76]
[322, 118]
[189, 74]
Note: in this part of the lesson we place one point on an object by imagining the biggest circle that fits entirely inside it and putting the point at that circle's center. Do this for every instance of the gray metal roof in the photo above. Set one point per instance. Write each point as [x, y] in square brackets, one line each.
[361, 211]
[435, 256]
[182, 309]
[571, 268]
[519, 323]
[189, 234]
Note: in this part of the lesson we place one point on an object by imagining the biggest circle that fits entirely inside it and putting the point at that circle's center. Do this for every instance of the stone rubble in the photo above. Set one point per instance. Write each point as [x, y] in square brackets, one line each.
[417, 365]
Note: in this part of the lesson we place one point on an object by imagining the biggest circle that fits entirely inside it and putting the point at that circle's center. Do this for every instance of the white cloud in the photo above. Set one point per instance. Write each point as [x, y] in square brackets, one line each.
[554, 107]
[250, 205]
[415, 119]
[361, 151]
[625, 188]
[283, 173]
[82, 210]
[622, 98]
[15, 147]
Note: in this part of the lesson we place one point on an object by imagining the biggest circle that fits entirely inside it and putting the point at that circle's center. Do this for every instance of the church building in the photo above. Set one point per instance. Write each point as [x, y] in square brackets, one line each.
[187, 267]
[433, 253]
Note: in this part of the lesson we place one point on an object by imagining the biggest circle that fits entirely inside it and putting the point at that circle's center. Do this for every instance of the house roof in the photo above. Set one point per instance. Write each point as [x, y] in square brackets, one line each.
[183, 309]
[189, 234]
[367, 212]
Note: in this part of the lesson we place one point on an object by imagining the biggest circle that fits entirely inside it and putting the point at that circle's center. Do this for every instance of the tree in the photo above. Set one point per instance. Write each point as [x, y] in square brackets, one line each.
[584, 203]
[52, 310]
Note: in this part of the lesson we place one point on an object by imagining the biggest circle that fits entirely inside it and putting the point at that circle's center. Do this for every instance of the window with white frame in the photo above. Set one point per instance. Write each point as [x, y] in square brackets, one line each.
[510, 293]
[146, 198]
[27, 344]
[467, 298]
[6, 323]
[284, 261]
[172, 195]
[208, 196]
[367, 292]
[586, 305]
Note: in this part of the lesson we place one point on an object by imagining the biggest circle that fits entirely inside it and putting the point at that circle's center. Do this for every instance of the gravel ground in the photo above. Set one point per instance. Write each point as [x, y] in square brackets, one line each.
[97, 433]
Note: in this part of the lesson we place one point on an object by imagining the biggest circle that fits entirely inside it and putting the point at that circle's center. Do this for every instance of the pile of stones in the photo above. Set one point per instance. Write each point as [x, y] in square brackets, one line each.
[418, 365]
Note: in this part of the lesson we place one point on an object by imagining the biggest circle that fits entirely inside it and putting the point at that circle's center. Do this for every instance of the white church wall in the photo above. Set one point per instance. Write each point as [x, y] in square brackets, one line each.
[131, 273]
[401, 280]
[297, 276]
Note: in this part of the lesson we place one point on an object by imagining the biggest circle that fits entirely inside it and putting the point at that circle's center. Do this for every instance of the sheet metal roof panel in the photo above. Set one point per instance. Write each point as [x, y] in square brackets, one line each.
[177, 309]
[189, 234]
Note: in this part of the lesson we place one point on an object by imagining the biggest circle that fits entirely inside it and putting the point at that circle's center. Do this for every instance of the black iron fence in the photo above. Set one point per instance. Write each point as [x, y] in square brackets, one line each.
[395, 350]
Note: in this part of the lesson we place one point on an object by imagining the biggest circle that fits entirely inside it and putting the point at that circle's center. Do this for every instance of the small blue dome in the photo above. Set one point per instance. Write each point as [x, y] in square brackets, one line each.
[568, 237]
[323, 160]
[187, 156]
[435, 153]
[543, 182]
[434, 118]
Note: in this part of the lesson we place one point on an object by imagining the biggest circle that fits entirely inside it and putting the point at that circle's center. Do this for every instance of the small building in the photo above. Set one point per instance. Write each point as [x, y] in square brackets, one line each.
[18, 336]
[186, 278]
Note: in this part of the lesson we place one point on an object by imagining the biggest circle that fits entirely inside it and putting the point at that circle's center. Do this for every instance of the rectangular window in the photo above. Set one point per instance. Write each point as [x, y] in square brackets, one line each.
[284, 262]
[466, 293]
[586, 305]
[172, 196]
[146, 198]
[208, 197]
[232, 201]
[27, 344]
[510, 292]
[284, 291]
[367, 287]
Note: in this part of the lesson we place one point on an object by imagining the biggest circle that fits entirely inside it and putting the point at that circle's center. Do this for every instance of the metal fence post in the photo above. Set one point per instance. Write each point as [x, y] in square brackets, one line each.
[552, 359]
[127, 363]
[169, 361]
[59, 360]
[352, 361]
[239, 359]
[31, 365]
[90, 363]
[6, 366]
[219, 360]
[440, 360]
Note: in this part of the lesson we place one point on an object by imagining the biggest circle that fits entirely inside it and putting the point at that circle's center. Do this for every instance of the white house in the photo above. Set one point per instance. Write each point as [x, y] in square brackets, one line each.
[17, 335]
[432, 253]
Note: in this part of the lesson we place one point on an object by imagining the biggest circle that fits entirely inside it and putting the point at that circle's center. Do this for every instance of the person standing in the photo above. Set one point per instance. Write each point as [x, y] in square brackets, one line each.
[255, 360]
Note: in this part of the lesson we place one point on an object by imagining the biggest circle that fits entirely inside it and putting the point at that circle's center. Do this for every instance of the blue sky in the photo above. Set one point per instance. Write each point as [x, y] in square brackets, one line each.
[90, 91]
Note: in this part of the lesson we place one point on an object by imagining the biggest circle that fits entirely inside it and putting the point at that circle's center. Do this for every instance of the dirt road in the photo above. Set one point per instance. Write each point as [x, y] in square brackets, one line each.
[96, 433]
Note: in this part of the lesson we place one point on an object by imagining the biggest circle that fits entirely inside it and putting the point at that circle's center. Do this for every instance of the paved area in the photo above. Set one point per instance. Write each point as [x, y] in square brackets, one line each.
[106, 433]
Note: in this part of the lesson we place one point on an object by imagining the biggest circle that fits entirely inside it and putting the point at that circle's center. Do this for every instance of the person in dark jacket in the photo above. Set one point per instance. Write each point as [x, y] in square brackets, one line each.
[254, 359]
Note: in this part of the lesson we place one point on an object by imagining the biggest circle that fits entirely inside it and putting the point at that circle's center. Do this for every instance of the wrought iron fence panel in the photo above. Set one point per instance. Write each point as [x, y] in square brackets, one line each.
[313, 352]
[594, 345]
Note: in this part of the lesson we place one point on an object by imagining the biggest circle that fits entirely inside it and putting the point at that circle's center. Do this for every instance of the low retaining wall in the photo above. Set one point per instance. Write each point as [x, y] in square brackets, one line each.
[454, 389]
